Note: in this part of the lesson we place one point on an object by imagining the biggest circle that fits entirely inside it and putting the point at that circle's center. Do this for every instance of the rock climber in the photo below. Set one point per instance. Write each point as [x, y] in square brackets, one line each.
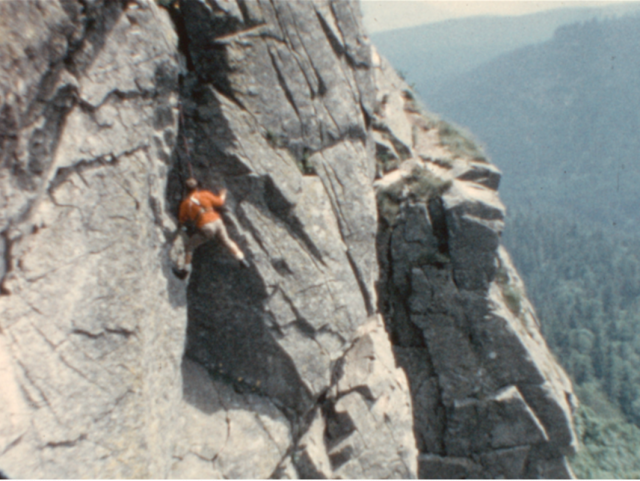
[201, 208]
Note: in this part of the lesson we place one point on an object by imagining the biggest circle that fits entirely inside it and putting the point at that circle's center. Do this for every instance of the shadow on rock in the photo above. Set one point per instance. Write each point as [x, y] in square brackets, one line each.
[175, 287]
[228, 331]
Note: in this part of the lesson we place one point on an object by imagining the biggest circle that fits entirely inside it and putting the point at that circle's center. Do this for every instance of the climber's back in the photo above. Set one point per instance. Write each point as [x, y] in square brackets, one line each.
[200, 207]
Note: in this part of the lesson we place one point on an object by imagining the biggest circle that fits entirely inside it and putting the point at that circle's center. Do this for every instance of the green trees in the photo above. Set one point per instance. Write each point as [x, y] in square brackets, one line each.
[585, 284]
[608, 447]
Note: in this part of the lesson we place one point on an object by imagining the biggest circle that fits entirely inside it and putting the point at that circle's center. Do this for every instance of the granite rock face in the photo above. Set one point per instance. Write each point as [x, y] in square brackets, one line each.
[489, 398]
[111, 367]
[380, 330]
[91, 320]
[276, 110]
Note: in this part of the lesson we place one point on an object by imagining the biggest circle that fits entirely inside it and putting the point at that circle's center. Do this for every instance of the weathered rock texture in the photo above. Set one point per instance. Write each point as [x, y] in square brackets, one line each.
[489, 399]
[276, 109]
[112, 367]
[91, 323]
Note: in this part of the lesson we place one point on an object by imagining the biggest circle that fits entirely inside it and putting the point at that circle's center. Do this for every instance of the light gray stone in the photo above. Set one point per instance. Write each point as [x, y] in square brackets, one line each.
[284, 117]
[555, 415]
[113, 367]
[474, 223]
[225, 434]
[481, 173]
[369, 426]
[4, 254]
[286, 470]
[393, 121]
[312, 461]
[91, 319]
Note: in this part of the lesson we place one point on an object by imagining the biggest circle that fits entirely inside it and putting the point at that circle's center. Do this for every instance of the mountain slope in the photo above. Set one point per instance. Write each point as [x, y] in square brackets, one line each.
[585, 281]
[560, 119]
[429, 55]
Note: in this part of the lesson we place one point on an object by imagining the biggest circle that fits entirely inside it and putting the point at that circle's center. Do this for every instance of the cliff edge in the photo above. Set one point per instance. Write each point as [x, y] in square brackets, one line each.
[489, 398]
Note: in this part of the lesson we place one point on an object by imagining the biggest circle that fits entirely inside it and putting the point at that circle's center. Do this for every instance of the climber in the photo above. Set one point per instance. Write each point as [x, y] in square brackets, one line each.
[200, 207]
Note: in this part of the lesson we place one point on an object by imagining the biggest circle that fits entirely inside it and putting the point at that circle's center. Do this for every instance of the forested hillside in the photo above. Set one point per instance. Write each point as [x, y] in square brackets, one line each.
[585, 284]
[591, 309]
[561, 120]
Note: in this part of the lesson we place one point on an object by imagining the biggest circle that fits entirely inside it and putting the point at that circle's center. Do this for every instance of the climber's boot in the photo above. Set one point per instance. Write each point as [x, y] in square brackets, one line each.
[182, 274]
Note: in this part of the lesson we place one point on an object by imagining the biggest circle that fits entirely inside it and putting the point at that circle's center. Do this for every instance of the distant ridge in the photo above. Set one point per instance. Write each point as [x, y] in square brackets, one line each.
[561, 119]
[428, 55]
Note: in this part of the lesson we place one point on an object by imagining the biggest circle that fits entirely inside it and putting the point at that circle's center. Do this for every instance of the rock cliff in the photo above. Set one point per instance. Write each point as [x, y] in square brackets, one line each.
[489, 399]
[380, 330]
[92, 320]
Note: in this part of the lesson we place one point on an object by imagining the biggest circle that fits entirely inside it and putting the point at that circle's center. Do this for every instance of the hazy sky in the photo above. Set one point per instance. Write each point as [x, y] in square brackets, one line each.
[382, 15]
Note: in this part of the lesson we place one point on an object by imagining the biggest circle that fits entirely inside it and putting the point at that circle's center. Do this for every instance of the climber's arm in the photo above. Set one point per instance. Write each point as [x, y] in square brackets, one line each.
[216, 201]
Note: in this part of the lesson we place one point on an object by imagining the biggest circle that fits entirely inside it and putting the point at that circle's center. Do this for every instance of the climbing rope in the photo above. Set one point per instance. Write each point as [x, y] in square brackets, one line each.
[186, 141]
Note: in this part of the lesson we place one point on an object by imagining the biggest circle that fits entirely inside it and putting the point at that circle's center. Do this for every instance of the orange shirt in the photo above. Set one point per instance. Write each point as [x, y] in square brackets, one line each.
[200, 206]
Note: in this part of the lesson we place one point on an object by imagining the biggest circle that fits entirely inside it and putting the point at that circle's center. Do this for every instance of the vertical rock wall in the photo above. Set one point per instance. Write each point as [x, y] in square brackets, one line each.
[93, 327]
[277, 109]
[91, 320]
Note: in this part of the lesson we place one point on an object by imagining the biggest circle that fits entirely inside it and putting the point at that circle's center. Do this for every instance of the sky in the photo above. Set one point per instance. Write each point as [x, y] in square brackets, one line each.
[380, 15]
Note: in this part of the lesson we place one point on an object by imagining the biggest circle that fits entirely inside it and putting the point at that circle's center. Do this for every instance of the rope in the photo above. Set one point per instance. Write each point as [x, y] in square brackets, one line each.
[186, 142]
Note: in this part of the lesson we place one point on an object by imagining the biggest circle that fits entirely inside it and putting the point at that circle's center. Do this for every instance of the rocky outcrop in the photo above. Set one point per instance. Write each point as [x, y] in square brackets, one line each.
[489, 398]
[380, 330]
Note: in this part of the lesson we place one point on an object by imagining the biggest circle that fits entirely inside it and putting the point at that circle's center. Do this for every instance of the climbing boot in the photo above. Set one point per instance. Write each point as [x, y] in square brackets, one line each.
[182, 273]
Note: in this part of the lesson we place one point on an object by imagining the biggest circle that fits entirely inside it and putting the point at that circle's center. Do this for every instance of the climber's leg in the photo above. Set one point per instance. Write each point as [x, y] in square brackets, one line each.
[190, 245]
[217, 229]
